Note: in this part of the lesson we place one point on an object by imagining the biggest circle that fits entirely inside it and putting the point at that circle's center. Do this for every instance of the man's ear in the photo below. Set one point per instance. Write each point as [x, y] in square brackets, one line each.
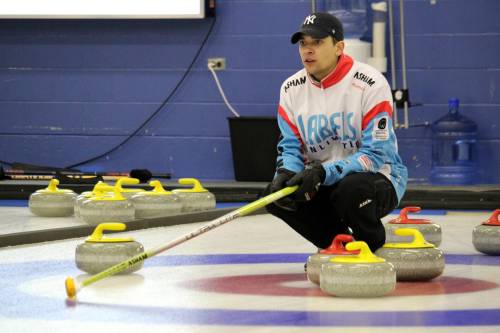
[340, 47]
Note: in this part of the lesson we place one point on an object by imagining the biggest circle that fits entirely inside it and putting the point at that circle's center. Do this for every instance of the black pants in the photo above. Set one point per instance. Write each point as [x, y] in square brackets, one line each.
[357, 202]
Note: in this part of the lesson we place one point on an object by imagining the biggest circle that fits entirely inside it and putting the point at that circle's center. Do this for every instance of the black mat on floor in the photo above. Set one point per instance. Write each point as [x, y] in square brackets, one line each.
[425, 196]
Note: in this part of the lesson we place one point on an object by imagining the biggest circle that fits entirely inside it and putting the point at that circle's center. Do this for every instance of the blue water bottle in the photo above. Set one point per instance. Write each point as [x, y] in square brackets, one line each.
[352, 14]
[454, 156]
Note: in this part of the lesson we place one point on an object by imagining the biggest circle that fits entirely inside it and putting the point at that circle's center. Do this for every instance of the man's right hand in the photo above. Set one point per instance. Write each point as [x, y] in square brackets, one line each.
[278, 183]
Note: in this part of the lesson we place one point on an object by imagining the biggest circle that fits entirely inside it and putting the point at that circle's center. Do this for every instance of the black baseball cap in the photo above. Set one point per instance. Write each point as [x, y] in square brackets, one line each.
[319, 26]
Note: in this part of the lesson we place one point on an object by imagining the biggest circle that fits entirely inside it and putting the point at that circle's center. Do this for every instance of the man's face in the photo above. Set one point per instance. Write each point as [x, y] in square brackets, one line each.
[319, 56]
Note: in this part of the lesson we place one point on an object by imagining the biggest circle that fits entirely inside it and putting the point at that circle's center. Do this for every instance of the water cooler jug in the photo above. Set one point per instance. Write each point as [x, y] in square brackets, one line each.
[454, 156]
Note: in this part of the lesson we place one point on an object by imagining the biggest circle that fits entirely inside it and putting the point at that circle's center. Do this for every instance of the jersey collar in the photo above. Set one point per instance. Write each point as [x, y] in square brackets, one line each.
[338, 73]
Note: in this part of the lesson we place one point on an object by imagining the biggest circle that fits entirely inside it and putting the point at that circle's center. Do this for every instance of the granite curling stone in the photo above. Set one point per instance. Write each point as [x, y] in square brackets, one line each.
[361, 275]
[103, 208]
[486, 236]
[156, 203]
[99, 189]
[196, 198]
[52, 202]
[337, 248]
[430, 231]
[414, 261]
[100, 252]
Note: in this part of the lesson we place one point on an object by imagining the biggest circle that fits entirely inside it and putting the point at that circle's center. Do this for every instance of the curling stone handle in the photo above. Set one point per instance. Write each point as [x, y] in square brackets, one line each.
[158, 187]
[418, 238]
[404, 212]
[103, 187]
[118, 186]
[365, 255]
[403, 217]
[364, 250]
[53, 185]
[126, 180]
[156, 184]
[192, 181]
[339, 240]
[494, 219]
[98, 231]
[101, 194]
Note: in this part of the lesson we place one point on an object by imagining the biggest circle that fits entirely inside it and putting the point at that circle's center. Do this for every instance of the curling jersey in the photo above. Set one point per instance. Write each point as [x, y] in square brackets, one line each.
[344, 122]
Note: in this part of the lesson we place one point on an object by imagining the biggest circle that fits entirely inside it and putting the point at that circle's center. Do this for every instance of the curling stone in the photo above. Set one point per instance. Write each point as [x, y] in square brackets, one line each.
[100, 252]
[155, 203]
[52, 202]
[486, 236]
[359, 275]
[337, 248]
[99, 189]
[102, 208]
[128, 192]
[430, 231]
[196, 198]
[414, 261]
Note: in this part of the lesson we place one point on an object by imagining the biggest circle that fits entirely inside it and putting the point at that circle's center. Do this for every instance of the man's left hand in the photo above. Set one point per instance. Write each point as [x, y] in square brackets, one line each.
[309, 181]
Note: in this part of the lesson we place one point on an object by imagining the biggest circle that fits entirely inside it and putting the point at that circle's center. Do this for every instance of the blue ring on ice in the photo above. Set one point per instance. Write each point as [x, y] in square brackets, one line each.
[17, 304]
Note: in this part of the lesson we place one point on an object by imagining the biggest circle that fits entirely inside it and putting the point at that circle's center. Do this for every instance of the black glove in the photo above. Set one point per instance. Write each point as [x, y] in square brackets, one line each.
[279, 182]
[309, 181]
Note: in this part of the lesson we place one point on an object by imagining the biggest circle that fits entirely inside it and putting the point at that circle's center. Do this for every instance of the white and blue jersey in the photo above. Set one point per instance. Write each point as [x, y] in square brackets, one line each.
[344, 122]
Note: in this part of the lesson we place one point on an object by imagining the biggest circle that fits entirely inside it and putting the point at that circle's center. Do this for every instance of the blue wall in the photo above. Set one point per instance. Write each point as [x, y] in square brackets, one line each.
[71, 90]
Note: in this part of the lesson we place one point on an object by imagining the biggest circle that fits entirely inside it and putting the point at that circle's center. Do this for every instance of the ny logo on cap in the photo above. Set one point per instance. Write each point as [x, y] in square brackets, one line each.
[309, 20]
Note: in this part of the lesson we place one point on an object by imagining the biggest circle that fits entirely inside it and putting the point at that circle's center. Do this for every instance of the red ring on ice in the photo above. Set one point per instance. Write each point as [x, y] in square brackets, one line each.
[276, 285]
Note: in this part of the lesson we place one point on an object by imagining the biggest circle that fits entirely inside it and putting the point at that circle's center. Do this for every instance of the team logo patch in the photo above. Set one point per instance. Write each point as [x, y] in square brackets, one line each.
[380, 131]
[382, 123]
